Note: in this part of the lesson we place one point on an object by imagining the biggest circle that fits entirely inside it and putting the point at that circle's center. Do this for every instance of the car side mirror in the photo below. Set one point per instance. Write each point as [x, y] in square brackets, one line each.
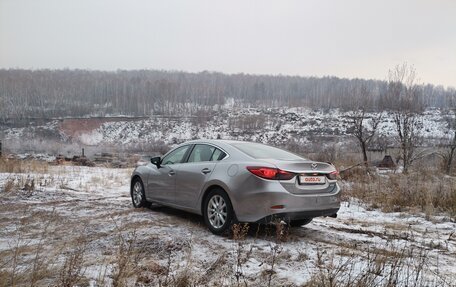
[156, 161]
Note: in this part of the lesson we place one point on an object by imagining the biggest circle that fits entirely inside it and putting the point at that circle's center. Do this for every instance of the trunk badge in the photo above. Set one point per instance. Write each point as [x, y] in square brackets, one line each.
[314, 166]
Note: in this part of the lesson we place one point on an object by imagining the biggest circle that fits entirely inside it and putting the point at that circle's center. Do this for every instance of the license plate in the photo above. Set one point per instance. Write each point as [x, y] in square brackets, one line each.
[312, 179]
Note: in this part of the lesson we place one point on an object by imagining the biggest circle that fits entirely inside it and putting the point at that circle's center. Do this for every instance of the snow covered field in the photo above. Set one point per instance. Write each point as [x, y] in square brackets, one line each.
[78, 223]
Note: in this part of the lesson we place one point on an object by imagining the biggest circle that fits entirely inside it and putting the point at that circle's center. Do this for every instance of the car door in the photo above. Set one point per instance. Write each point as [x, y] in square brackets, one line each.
[194, 174]
[162, 183]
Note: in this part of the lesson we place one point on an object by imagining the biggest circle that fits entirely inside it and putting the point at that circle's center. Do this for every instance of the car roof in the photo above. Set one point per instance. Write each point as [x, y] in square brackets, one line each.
[217, 141]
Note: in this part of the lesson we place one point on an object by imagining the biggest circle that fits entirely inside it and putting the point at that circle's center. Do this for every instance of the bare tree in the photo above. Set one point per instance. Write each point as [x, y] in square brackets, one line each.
[363, 125]
[404, 97]
[449, 143]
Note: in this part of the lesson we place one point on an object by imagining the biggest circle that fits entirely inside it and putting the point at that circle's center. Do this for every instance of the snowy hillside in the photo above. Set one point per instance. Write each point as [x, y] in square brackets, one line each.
[268, 126]
[276, 126]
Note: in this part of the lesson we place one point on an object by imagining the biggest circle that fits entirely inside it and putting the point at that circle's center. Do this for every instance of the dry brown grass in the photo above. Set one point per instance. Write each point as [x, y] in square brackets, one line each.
[394, 266]
[23, 166]
[9, 185]
[127, 256]
[427, 191]
[72, 270]
[242, 251]
[26, 184]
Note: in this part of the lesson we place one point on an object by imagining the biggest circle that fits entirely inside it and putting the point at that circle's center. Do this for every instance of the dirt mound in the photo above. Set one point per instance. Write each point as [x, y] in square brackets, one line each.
[75, 127]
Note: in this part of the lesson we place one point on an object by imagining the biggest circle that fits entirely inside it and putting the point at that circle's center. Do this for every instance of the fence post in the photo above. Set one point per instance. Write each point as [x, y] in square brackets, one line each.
[0, 148]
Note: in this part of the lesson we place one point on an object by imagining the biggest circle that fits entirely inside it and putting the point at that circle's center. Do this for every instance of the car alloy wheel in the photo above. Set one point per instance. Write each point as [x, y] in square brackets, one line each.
[137, 194]
[218, 212]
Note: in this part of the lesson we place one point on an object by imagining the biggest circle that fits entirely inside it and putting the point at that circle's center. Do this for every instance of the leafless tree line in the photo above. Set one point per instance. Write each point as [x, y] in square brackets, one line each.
[58, 93]
[405, 98]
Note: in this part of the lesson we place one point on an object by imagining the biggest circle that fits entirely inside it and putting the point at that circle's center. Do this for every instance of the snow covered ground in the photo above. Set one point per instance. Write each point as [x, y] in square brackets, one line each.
[72, 210]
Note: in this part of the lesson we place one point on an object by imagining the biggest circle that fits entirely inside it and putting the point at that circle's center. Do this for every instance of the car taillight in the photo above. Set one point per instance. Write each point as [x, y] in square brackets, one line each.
[270, 173]
[333, 175]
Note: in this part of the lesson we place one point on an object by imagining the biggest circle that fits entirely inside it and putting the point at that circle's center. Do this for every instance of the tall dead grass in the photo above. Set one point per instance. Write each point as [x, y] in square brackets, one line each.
[23, 166]
[28, 262]
[383, 267]
[72, 271]
[421, 190]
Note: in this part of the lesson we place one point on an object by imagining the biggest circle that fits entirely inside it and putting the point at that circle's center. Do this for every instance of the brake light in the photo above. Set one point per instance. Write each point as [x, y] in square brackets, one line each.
[333, 175]
[270, 173]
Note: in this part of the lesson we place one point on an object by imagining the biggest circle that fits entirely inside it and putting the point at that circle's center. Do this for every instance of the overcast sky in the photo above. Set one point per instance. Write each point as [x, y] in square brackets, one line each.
[350, 38]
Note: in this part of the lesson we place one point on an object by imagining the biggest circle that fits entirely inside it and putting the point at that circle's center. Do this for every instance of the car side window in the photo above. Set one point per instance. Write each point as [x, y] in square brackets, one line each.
[176, 156]
[201, 152]
[218, 155]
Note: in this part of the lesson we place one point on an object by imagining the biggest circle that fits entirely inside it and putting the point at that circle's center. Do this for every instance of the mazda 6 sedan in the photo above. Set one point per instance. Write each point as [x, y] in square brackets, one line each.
[234, 181]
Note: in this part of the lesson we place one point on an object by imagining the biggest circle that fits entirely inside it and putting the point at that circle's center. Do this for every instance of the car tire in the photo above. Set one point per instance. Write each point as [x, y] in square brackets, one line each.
[218, 212]
[138, 197]
[300, 222]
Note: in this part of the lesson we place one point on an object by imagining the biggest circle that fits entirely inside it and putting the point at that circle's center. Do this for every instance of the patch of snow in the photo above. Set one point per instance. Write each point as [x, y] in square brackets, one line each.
[92, 138]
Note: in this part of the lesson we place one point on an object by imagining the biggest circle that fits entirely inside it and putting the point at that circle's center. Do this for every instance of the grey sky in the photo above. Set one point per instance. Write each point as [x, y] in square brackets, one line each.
[345, 38]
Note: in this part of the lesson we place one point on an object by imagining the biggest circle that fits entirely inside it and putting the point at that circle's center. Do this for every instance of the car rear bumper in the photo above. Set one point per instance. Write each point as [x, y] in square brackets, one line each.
[262, 205]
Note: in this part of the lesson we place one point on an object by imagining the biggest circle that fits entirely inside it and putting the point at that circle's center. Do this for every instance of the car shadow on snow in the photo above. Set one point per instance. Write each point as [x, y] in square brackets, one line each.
[177, 216]
[283, 233]
[269, 232]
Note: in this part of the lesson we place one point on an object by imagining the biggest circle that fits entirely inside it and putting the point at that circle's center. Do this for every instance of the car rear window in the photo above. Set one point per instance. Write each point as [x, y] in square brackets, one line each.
[218, 155]
[261, 151]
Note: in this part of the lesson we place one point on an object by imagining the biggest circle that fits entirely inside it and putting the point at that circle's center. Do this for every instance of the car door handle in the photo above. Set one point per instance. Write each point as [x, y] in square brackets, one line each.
[171, 173]
[205, 170]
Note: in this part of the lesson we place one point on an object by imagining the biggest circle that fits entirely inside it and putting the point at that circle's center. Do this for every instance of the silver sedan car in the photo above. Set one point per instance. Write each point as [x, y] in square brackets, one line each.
[228, 181]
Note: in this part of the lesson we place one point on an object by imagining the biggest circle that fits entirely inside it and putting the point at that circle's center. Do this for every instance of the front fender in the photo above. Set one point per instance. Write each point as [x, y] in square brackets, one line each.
[143, 172]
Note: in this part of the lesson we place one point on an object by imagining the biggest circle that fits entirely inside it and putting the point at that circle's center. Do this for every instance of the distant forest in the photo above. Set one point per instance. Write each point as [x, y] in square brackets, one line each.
[75, 93]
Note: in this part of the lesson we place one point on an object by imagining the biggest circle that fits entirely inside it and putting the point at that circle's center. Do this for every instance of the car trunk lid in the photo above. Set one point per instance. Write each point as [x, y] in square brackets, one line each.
[312, 177]
[298, 166]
